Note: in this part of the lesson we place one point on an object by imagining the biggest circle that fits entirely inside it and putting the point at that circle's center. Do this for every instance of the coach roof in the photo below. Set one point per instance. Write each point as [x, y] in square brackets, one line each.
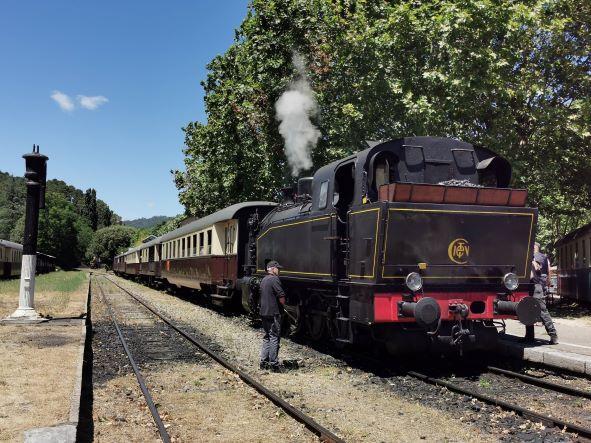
[9, 244]
[221, 215]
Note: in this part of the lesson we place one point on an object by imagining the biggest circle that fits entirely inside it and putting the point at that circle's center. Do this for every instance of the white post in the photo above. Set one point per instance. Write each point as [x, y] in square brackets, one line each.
[26, 299]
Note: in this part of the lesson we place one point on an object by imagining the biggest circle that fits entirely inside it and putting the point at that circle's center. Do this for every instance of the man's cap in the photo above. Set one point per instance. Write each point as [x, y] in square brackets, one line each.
[274, 264]
[537, 244]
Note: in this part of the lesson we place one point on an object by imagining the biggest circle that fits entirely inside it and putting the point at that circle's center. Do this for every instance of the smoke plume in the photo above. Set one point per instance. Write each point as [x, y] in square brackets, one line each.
[293, 110]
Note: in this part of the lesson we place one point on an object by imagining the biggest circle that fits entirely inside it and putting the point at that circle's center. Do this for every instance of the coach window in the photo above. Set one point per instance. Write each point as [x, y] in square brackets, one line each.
[208, 241]
[584, 252]
[229, 236]
[194, 244]
[323, 196]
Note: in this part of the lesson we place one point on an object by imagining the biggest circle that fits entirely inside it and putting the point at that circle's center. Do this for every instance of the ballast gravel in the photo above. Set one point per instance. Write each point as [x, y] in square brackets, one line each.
[346, 398]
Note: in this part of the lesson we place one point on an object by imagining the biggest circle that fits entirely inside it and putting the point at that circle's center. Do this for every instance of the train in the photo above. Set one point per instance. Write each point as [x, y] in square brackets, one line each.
[413, 244]
[11, 257]
[573, 253]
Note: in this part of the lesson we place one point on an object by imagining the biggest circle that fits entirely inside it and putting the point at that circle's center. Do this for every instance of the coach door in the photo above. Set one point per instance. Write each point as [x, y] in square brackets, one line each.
[151, 258]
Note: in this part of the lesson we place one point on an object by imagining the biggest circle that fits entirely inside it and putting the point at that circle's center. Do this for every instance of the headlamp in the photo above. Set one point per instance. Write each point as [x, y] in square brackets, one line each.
[414, 281]
[511, 281]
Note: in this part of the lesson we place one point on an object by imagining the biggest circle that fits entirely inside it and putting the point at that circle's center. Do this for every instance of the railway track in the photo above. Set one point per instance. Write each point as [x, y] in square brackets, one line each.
[136, 370]
[547, 420]
[316, 428]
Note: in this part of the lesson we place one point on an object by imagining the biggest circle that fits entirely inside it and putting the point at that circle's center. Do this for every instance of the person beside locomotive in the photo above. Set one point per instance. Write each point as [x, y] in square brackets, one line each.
[272, 301]
[539, 279]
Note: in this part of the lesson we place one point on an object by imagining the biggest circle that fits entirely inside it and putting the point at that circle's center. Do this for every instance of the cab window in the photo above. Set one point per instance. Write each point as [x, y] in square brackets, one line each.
[323, 196]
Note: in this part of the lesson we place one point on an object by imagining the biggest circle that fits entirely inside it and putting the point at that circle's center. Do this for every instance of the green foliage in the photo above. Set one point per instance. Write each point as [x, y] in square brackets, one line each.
[149, 223]
[140, 235]
[12, 196]
[167, 226]
[110, 241]
[65, 238]
[62, 232]
[513, 76]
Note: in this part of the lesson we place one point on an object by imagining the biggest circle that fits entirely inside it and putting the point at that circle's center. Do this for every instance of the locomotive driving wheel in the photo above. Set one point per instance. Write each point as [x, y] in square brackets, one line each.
[294, 319]
[316, 318]
[315, 326]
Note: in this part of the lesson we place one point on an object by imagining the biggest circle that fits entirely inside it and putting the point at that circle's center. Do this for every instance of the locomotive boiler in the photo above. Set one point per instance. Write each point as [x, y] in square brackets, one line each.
[417, 243]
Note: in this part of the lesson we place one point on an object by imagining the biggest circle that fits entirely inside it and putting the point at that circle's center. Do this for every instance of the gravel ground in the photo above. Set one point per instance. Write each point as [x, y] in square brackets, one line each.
[197, 399]
[349, 399]
[568, 408]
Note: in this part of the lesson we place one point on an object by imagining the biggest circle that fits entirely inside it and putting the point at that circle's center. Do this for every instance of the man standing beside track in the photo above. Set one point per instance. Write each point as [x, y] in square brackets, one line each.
[539, 278]
[272, 299]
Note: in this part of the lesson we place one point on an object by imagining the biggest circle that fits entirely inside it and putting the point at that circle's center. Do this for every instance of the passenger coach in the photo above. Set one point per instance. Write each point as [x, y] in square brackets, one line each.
[11, 255]
[574, 268]
[208, 254]
[10, 258]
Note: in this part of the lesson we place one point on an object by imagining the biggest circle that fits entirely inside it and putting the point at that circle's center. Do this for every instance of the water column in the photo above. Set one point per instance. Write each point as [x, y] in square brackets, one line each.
[36, 172]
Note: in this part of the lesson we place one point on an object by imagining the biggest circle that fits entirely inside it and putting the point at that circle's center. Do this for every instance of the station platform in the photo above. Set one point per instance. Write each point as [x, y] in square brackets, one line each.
[573, 352]
[41, 374]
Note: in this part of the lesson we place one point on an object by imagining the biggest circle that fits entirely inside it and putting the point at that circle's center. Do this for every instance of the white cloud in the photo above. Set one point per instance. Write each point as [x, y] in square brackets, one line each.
[92, 102]
[63, 100]
[151, 204]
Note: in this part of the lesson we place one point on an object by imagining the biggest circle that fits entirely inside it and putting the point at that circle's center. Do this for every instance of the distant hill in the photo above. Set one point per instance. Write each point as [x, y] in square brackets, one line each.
[143, 223]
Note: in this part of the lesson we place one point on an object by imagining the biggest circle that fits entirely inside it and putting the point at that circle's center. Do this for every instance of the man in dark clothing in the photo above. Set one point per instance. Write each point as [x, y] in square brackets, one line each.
[272, 301]
[539, 278]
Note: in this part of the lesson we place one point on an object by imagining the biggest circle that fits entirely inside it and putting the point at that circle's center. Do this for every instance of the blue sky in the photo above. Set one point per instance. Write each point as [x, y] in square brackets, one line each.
[131, 73]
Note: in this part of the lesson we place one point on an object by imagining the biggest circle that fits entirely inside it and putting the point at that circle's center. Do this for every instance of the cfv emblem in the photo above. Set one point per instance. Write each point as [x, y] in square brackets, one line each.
[459, 251]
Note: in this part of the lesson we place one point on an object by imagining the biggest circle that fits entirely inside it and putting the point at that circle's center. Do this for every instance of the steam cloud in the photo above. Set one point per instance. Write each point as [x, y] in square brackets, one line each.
[293, 110]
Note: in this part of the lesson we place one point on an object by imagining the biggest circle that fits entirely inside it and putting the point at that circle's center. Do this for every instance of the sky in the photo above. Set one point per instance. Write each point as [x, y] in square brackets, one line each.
[104, 89]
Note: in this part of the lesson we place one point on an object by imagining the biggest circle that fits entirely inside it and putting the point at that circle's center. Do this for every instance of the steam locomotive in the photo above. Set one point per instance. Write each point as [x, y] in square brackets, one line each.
[415, 243]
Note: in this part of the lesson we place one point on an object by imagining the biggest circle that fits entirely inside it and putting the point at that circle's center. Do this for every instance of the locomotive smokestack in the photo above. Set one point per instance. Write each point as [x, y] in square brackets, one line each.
[293, 110]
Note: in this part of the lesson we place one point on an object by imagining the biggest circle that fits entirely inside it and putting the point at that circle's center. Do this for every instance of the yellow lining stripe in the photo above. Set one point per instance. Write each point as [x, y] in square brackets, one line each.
[460, 212]
[375, 251]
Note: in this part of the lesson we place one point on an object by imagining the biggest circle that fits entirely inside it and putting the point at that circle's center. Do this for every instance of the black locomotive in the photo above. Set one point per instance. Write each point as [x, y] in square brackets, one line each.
[416, 243]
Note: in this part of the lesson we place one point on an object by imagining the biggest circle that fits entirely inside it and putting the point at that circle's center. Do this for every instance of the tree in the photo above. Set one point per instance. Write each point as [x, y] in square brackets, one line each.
[512, 76]
[167, 226]
[62, 232]
[110, 241]
[90, 208]
[105, 217]
[12, 196]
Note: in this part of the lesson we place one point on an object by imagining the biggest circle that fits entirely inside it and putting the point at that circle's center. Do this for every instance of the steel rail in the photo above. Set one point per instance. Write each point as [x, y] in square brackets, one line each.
[323, 433]
[542, 383]
[142, 382]
[526, 413]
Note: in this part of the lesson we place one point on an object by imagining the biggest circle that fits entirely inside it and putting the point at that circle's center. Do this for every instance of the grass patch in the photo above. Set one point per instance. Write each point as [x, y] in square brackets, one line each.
[57, 294]
[60, 281]
[484, 383]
